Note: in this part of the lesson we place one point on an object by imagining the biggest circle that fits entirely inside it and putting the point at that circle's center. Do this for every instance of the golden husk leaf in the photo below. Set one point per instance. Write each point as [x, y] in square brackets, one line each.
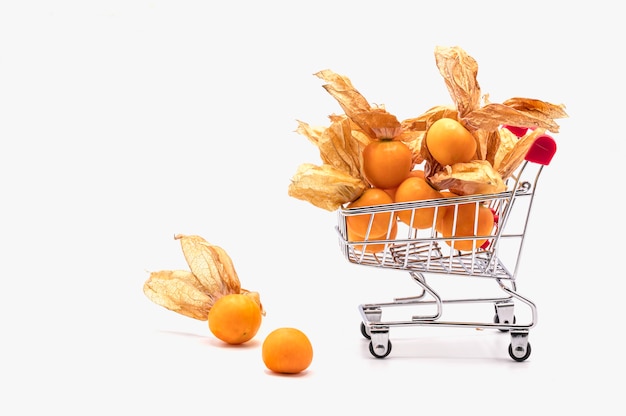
[460, 75]
[340, 179]
[475, 177]
[375, 122]
[541, 109]
[512, 159]
[341, 88]
[357, 134]
[193, 292]
[226, 267]
[337, 147]
[217, 275]
[499, 144]
[324, 186]
[179, 291]
[487, 144]
[459, 71]
[492, 116]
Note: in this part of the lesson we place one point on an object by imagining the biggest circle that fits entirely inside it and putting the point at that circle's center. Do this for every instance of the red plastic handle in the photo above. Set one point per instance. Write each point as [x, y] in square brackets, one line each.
[542, 150]
[518, 131]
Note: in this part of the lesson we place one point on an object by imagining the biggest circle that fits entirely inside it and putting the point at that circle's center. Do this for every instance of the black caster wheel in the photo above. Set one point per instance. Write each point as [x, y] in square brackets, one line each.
[364, 331]
[376, 354]
[496, 320]
[519, 358]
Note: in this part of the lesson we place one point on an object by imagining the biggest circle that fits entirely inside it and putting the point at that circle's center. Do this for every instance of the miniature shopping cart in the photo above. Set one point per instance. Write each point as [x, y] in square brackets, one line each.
[494, 257]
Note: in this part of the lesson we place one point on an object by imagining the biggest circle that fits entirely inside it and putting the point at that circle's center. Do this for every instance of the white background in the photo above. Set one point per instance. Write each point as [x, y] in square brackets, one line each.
[123, 123]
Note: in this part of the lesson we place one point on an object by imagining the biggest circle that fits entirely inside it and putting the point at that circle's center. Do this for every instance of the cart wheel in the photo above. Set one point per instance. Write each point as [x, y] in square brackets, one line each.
[519, 358]
[375, 354]
[364, 331]
[496, 320]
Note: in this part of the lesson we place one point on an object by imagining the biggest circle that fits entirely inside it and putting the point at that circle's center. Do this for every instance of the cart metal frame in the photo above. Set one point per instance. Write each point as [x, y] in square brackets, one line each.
[424, 251]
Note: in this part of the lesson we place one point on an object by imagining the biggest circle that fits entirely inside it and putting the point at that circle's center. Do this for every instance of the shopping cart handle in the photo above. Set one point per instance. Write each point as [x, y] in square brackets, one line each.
[542, 150]
[518, 131]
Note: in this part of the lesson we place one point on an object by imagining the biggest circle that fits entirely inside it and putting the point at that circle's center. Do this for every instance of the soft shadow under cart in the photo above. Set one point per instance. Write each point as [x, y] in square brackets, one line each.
[421, 252]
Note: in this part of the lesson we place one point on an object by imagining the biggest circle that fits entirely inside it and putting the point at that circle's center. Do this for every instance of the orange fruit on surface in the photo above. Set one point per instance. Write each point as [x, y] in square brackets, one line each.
[467, 217]
[449, 142]
[415, 188]
[287, 350]
[380, 222]
[235, 318]
[386, 162]
[374, 247]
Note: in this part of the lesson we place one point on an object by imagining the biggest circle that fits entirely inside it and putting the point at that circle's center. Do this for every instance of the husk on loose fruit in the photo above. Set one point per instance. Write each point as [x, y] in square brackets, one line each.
[193, 292]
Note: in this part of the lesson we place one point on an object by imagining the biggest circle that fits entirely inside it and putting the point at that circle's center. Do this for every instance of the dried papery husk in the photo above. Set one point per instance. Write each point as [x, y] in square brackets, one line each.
[374, 121]
[337, 147]
[181, 292]
[340, 178]
[501, 146]
[488, 144]
[415, 145]
[514, 157]
[324, 186]
[424, 120]
[492, 116]
[475, 177]
[377, 123]
[193, 292]
[539, 109]
[210, 264]
[409, 136]
[459, 71]
[357, 134]
[341, 88]
[392, 133]
[227, 269]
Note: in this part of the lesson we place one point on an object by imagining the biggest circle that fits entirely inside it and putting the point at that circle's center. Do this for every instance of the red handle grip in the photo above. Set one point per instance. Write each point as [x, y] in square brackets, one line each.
[542, 150]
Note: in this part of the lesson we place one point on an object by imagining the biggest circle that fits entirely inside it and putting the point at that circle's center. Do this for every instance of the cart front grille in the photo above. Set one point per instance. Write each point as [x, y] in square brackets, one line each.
[429, 257]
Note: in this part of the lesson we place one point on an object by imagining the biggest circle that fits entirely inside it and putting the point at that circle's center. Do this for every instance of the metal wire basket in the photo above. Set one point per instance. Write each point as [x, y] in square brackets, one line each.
[495, 255]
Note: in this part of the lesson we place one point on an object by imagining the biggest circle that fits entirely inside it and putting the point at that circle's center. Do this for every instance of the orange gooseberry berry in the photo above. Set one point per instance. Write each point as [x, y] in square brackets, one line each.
[416, 189]
[379, 221]
[469, 224]
[373, 247]
[449, 142]
[386, 162]
[287, 350]
[235, 318]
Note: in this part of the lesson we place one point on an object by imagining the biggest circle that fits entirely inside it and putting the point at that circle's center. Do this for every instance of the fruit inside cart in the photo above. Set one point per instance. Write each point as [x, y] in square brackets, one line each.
[446, 193]
[460, 251]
